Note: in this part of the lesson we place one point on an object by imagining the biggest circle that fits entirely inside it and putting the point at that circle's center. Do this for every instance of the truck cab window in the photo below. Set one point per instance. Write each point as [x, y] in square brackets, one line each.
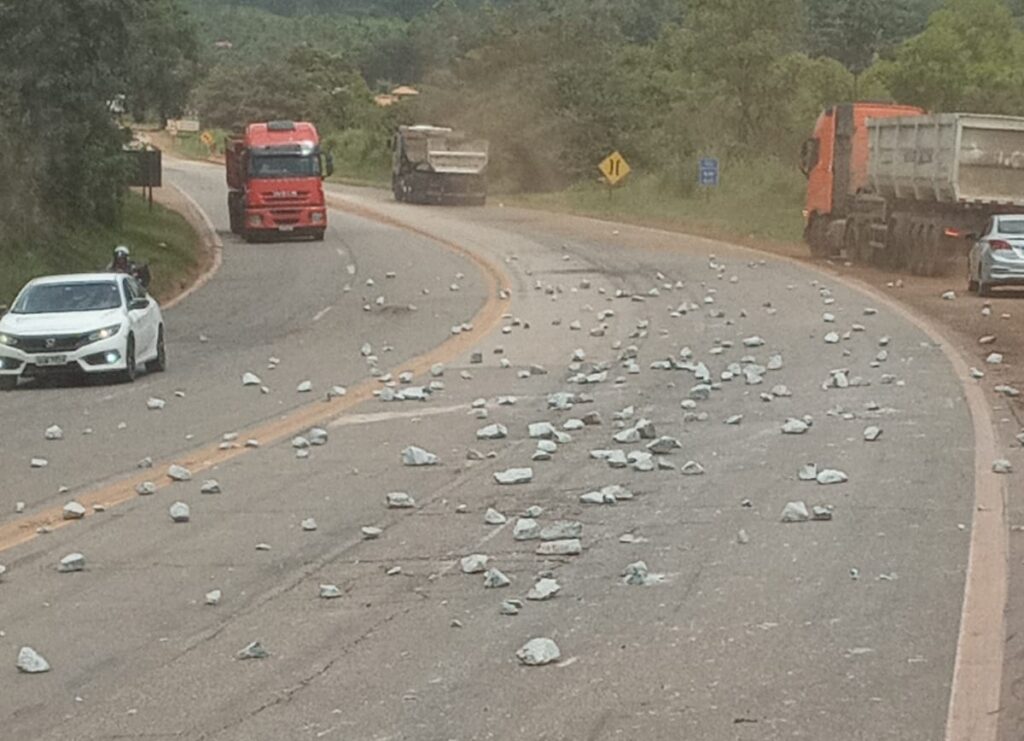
[809, 154]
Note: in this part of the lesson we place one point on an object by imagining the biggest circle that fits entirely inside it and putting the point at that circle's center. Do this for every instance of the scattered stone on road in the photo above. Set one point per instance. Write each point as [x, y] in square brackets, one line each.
[329, 591]
[212, 597]
[400, 500]
[30, 662]
[155, 404]
[73, 511]
[71, 562]
[544, 589]
[309, 524]
[492, 432]
[795, 426]
[692, 468]
[636, 573]
[474, 564]
[1002, 466]
[538, 652]
[54, 433]
[145, 488]
[39, 463]
[413, 456]
[514, 476]
[210, 486]
[562, 530]
[178, 473]
[254, 650]
[510, 607]
[526, 528]
[795, 512]
[832, 476]
[370, 532]
[251, 379]
[494, 579]
[871, 434]
[179, 512]
[569, 547]
[494, 517]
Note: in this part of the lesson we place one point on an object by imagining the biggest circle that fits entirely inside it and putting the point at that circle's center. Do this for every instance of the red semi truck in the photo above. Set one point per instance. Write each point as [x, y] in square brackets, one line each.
[274, 174]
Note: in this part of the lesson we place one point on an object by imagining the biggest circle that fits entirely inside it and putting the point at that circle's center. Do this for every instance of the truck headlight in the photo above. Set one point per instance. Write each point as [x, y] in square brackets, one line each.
[105, 333]
[316, 217]
[254, 220]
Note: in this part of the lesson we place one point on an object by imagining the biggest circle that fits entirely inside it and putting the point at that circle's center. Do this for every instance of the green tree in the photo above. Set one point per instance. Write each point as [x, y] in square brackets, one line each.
[970, 57]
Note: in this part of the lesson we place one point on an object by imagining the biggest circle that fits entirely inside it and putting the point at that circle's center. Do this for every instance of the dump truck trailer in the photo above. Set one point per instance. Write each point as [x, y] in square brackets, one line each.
[893, 186]
[435, 164]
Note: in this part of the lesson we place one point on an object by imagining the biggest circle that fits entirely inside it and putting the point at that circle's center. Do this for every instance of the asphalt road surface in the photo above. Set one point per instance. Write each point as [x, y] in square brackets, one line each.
[841, 629]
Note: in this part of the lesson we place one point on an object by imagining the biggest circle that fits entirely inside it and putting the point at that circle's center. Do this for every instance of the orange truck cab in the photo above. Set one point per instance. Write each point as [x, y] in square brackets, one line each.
[835, 161]
[274, 176]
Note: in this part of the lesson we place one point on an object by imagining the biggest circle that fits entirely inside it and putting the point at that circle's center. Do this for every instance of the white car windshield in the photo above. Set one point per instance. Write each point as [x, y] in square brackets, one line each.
[51, 298]
[1011, 226]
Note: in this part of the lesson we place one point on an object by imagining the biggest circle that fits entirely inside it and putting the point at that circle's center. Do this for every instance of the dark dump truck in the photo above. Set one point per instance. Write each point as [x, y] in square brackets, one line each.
[435, 164]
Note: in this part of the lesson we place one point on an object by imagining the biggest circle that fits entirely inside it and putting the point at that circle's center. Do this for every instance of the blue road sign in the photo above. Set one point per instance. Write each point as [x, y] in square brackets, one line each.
[708, 172]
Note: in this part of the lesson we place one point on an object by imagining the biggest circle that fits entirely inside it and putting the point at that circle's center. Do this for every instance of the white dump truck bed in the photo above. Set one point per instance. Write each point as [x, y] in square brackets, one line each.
[948, 158]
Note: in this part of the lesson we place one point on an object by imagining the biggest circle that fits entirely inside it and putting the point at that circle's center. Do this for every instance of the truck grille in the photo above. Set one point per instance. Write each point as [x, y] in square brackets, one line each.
[287, 198]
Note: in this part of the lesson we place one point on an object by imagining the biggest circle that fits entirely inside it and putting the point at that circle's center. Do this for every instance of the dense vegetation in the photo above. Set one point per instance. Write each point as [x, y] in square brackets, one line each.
[554, 84]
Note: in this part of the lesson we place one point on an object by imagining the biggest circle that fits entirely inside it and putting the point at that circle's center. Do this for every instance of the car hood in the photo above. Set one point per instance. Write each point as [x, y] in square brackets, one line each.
[72, 322]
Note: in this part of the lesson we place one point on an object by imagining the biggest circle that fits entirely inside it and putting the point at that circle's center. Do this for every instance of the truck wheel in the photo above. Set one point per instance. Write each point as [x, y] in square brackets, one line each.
[984, 288]
[814, 236]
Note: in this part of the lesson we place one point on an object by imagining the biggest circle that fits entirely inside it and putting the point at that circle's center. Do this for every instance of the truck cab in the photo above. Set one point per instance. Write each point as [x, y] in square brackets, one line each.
[274, 175]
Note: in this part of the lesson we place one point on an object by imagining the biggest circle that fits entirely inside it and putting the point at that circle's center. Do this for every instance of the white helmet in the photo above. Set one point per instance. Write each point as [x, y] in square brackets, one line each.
[121, 251]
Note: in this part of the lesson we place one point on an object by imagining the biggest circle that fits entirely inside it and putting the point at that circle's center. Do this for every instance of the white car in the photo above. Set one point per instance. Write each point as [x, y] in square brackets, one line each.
[88, 323]
[997, 257]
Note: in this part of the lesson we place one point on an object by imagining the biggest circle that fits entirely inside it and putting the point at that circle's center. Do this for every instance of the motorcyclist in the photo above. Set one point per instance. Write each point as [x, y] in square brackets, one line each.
[122, 263]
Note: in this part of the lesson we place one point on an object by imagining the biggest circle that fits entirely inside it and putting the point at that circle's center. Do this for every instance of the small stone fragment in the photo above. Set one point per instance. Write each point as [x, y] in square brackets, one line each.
[526, 528]
[178, 473]
[492, 432]
[538, 652]
[212, 598]
[808, 472]
[251, 379]
[570, 547]
[871, 434]
[39, 463]
[71, 562]
[510, 607]
[54, 433]
[1002, 466]
[495, 579]
[514, 476]
[692, 468]
[494, 517]
[253, 651]
[155, 404]
[795, 426]
[329, 591]
[413, 456]
[400, 500]
[474, 564]
[309, 524]
[30, 662]
[795, 512]
[544, 589]
[179, 512]
[370, 532]
[73, 511]
[145, 488]
[831, 476]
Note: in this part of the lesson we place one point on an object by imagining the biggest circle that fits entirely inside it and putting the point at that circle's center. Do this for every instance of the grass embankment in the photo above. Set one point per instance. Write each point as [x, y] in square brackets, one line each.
[160, 237]
[758, 201]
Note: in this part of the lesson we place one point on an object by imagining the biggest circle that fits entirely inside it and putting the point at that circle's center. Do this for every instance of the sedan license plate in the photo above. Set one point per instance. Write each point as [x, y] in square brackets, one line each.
[286, 228]
[51, 359]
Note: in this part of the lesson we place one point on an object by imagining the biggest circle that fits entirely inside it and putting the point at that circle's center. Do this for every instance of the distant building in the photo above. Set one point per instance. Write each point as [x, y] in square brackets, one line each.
[395, 96]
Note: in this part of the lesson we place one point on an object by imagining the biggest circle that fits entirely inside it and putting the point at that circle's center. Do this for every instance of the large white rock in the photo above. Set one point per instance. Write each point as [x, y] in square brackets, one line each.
[832, 476]
[494, 517]
[544, 589]
[30, 662]
[54, 433]
[413, 456]
[178, 473]
[794, 426]
[514, 476]
[495, 579]
[400, 500]
[71, 562]
[538, 652]
[474, 564]
[568, 547]
[251, 379]
[795, 512]
[526, 528]
[492, 432]
[179, 512]
[73, 511]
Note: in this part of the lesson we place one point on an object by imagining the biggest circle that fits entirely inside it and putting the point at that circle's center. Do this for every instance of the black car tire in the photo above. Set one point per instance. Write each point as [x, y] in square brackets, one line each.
[131, 371]
[158, 364]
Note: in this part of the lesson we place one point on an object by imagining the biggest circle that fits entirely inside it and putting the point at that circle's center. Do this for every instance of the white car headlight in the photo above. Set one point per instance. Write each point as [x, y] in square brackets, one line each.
[105, 333]
[8, 339]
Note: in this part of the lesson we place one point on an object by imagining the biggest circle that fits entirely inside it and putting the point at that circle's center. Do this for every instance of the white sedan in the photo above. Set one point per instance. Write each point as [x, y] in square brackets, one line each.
[997, 257]
[88, 323]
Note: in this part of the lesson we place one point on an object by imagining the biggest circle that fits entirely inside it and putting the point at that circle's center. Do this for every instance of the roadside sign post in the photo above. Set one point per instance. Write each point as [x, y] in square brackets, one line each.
[614, 168]
[708, 174]
[207, 138]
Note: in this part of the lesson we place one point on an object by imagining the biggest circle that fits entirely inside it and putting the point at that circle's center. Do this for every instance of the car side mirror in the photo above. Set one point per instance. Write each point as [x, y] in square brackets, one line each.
[138, 304]
[329, 164]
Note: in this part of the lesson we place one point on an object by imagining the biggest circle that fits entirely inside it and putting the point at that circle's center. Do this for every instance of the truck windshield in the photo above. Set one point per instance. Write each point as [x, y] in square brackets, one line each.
[284, 166]
[62, 297]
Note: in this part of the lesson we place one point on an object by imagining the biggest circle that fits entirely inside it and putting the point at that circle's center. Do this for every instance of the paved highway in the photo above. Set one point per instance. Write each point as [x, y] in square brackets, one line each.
[844, 628]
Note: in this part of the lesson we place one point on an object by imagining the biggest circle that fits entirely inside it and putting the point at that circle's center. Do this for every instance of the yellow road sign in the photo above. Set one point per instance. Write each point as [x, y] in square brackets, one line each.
[207, 138]
[614, 167]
